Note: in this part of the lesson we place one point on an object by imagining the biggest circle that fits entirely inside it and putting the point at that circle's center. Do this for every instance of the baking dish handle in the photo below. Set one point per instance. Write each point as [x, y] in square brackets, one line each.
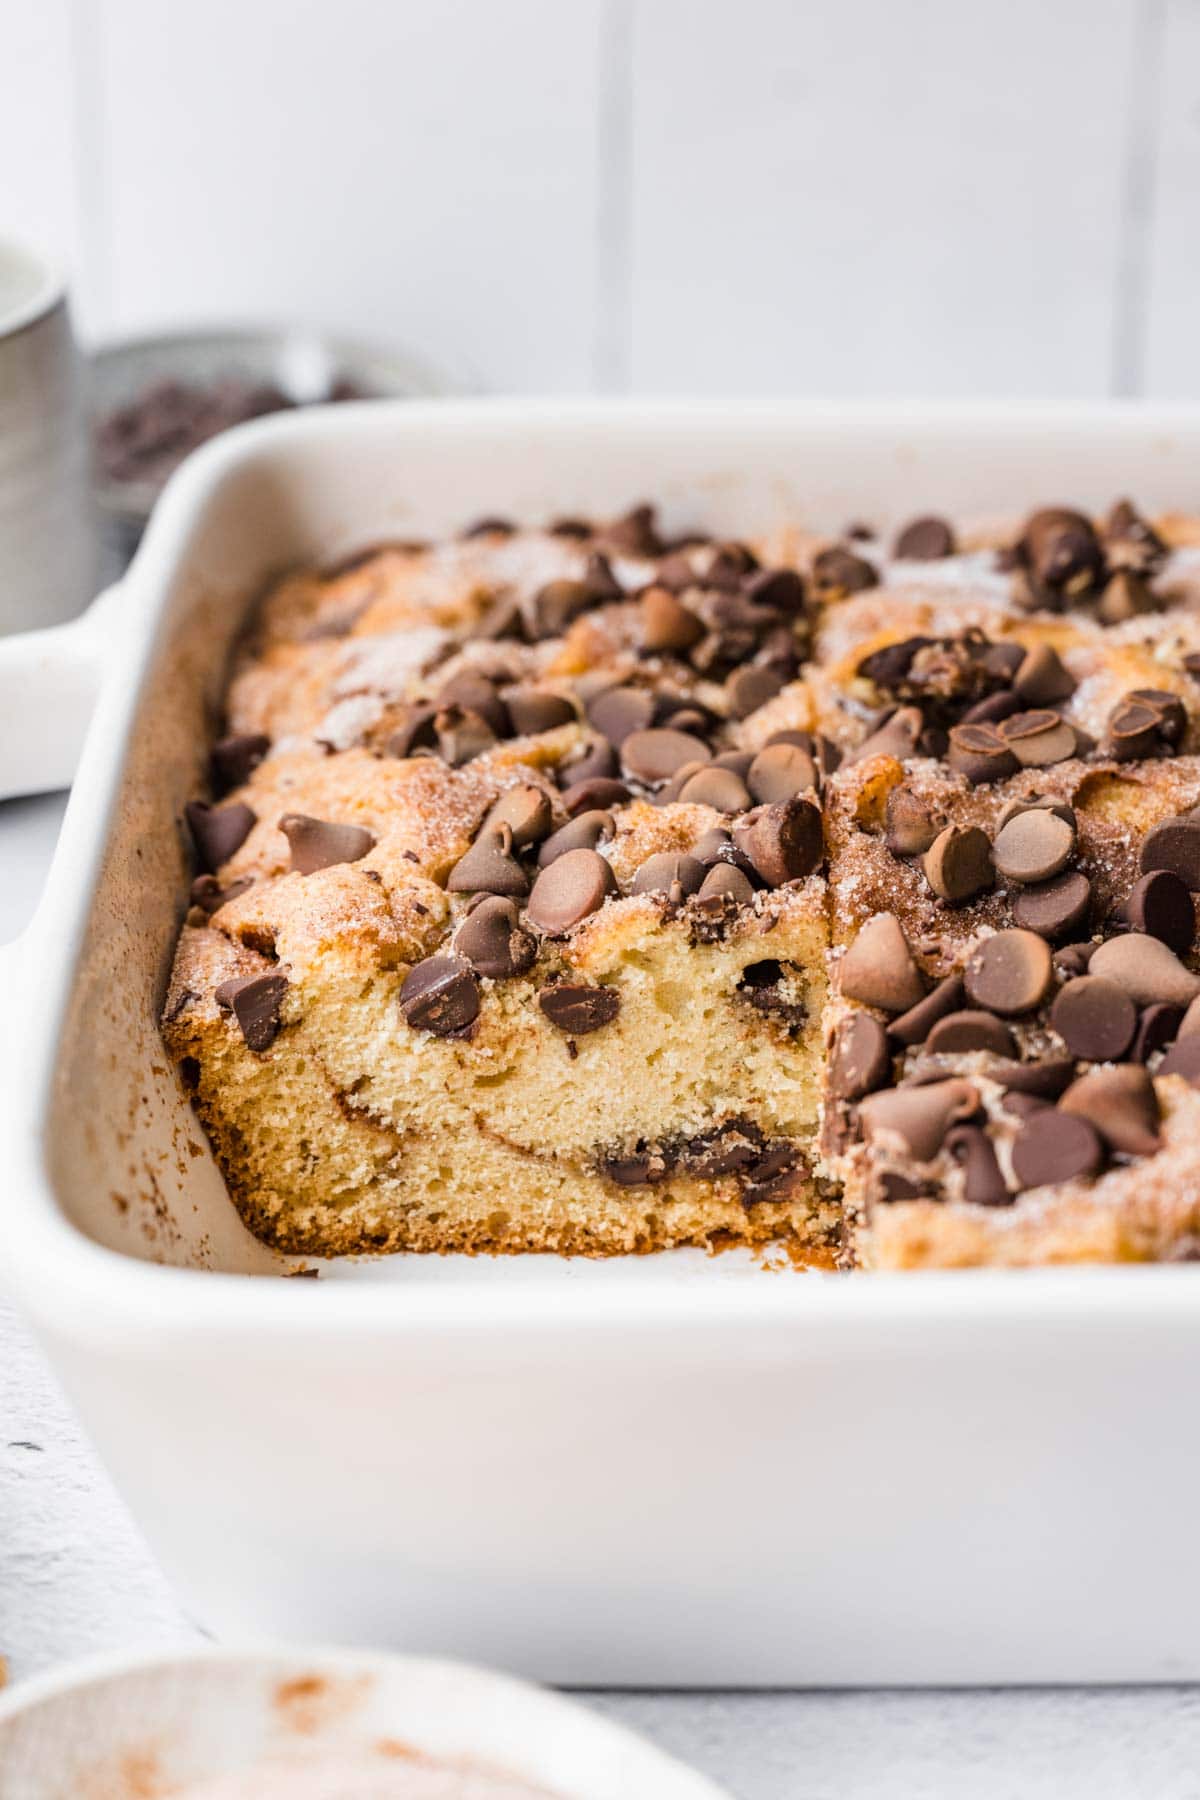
[48, 685]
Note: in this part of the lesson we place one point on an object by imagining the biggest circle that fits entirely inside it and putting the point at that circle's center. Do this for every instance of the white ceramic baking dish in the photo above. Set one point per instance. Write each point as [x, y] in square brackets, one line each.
[670, 1470]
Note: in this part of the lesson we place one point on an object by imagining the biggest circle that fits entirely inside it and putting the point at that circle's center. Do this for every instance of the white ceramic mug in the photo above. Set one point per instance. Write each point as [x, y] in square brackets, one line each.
[48, 539]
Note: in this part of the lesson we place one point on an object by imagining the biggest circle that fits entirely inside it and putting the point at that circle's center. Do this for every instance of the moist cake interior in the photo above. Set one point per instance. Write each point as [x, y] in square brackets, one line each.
[571, 888]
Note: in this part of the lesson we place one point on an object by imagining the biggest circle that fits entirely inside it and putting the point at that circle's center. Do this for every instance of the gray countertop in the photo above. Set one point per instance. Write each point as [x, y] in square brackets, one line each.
[75, 1578]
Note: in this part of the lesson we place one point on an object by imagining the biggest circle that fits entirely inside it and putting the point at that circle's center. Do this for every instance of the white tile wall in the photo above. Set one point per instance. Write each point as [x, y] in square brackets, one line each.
[758, 195]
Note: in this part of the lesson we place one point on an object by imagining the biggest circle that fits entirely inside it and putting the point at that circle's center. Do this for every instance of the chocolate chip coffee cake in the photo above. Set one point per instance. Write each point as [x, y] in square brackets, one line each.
[578, 889]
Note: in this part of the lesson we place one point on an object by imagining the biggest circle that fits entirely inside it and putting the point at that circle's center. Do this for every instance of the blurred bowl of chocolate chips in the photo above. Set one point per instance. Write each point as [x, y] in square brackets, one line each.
[156, 399]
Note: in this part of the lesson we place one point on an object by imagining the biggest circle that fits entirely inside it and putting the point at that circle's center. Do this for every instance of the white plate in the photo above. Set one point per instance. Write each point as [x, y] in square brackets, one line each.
[119, 1729]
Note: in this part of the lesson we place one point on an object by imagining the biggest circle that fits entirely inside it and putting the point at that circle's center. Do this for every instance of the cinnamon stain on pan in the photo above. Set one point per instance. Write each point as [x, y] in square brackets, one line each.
[135, 1775]
[303, 1705]
[396, 1751]
[309, 1703]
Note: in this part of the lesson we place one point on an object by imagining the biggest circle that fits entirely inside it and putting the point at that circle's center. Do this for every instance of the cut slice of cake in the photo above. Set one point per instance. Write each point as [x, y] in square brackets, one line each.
[502, 941]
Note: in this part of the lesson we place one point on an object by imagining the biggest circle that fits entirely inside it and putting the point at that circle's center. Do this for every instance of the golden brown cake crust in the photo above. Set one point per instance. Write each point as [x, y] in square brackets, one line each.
[530, 852]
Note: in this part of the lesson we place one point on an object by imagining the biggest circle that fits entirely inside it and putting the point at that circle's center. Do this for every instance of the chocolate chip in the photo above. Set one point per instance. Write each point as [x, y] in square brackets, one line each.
[860, 1060]
[999, 657]
[553, 608]
[666, 623]
[1012, 809]
[1157, 1027]
[778, 772]
[898, 736]
[620, 711]
[651, 756]
[440, 995]
[1174, 846]
[1170, 708]
[1130, 540]
[475, 694]
[1052, 1147]
[1160, 905]
[889, 1186]
[208, 894]
[749, 688]
[415, 731]
[980, 754]
[1146, 970]
[689, 718]
[1022, 1105]
[909, 827]
[676, 571]
[781, 649]
[728, 1150]
[780, 589]
[983, 1183]
[597, 794]
[878, 968]
[838, 572]
[462, 735]
[1094, 1018]
[963, 1033]
[1038, 739]
[724, 879]
[924, 540]
[636, 1170]
[889, 666]
[1147, 722]
[992, 709]
[1044, 1080]
[525, 810]
[255, 1001]
[502, 618]
[321, 843]
[666, 871]
[1073, 959]
[635, 533]
[489, 866]
[1054, 908]
[1183, 1059]
[1009, 973]
[218, 831]
[234, 759]
[1033, 846]
[1132, 731]
[598, 760]
[533, 711]
[913, 1027]
[712, 845]
[577, 1008]
[1120, 1103]
[958, 864]
[599, 580]
[1042, 678]
[572, 888]
[488, 527]
[921, 1116]
[583, 832]
[1126, 596]
[784, 843]
[491, 940]
[719, 788]
[1062, 551]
